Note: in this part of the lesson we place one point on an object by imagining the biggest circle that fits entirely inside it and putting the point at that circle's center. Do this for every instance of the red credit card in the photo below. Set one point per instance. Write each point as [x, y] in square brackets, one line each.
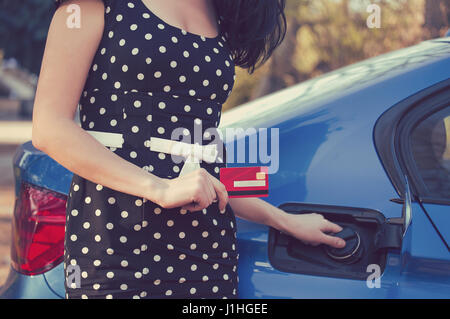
[245, 181]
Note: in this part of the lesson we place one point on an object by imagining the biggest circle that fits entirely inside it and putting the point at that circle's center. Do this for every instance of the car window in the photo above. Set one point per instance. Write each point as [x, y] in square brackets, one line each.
[430, 145]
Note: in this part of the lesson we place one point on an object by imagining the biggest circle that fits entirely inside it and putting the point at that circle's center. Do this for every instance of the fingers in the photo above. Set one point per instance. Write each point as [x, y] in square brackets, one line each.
[220, 191]
[332, 241]
[211, 189]
[331, 227]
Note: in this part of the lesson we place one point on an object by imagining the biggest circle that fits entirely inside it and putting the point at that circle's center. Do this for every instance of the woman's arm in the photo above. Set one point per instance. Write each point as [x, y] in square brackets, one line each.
[309, 228]
[66, 62]
[67, 59]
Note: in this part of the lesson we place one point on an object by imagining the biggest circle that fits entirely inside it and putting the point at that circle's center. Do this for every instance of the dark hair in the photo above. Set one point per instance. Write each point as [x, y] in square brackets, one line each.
[254, 29]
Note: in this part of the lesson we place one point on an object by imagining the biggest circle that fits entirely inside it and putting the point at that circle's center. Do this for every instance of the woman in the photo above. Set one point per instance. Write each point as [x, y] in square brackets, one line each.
[140, 69]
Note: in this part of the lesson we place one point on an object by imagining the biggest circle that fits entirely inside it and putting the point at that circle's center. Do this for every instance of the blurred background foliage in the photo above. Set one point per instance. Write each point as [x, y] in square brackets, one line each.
[322, 35]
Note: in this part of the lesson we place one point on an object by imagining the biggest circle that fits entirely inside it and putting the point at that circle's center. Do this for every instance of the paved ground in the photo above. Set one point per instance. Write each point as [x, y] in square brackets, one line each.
[12, 134]
[6, 207]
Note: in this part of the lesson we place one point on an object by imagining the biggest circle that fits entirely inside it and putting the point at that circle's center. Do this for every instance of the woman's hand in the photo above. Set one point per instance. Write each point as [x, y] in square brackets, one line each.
[193, 191]
[311, 229]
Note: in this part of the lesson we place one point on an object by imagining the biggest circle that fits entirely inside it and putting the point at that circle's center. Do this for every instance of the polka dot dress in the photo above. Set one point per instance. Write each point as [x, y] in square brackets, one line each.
[149, 78]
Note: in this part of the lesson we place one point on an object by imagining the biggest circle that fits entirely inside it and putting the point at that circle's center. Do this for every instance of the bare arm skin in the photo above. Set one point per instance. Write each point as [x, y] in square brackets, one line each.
[310, 228]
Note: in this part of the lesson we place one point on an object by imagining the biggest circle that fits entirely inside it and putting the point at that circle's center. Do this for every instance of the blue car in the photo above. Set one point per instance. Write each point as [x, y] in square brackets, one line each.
[367, 146]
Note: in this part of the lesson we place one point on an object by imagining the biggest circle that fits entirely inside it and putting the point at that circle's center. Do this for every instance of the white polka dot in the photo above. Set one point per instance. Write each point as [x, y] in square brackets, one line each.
[135, 51]
[86, 225]
[124, 214]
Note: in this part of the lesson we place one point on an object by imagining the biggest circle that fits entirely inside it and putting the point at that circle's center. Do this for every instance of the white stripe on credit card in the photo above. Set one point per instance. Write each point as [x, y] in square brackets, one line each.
[249, 183]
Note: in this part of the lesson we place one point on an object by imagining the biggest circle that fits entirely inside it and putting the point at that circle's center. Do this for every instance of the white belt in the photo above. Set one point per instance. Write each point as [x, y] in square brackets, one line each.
[192, 152]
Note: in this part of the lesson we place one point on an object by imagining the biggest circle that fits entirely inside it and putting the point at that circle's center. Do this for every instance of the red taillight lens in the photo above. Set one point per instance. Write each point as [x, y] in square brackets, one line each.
[38, 230]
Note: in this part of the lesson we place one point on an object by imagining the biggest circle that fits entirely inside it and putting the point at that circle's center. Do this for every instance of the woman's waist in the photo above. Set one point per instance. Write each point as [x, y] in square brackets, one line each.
[143, 102]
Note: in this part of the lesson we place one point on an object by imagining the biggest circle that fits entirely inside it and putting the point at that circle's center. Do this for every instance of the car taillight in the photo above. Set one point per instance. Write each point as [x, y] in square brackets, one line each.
[38, 230]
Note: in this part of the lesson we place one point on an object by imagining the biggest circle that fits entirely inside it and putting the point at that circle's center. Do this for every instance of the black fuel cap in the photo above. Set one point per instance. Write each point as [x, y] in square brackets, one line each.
[353, 247]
